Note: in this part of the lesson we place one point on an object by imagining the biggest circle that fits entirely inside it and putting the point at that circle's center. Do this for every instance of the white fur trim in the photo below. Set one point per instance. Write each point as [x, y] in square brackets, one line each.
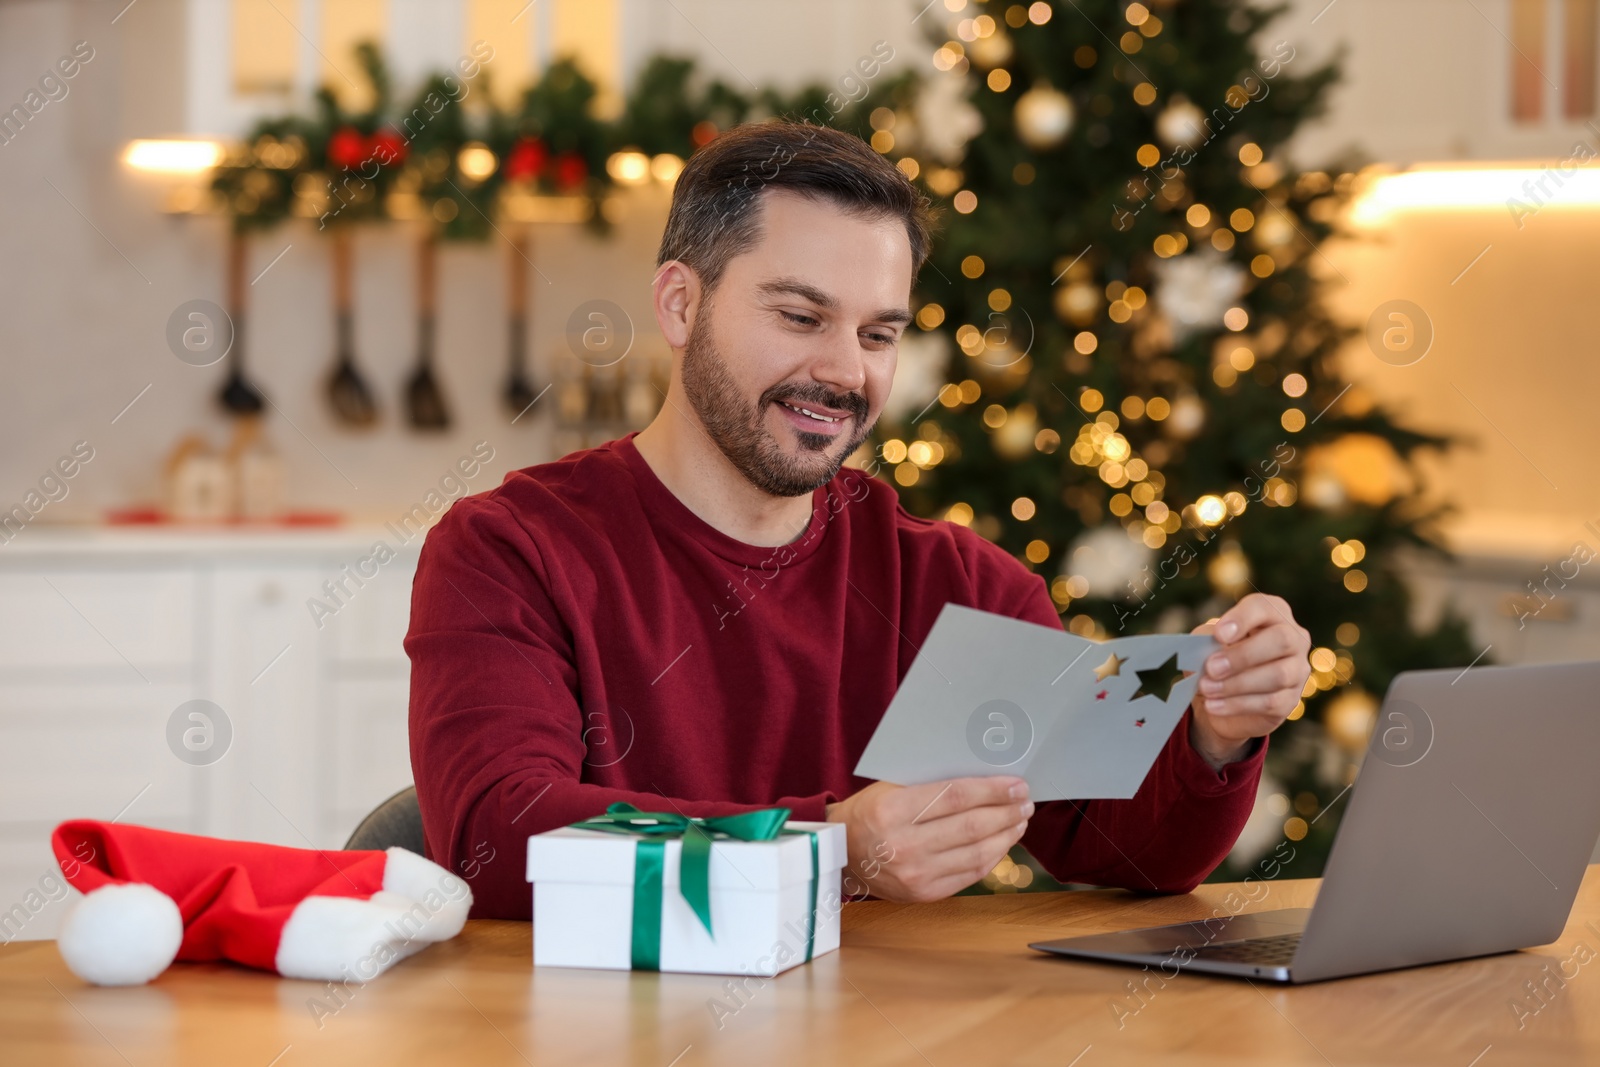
[341, 939]
[445, 898]
[123, 934]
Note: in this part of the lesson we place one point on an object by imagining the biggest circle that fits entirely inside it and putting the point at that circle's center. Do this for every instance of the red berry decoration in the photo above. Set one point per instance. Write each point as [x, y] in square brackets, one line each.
[347, 148]
[388, 148]
[570, 171]
[526, 160]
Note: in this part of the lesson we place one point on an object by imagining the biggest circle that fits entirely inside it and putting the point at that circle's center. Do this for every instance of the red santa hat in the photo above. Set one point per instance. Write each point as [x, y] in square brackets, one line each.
[152, 896]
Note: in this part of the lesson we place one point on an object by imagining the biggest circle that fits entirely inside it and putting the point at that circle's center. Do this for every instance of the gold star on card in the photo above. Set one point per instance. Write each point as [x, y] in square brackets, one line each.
[1158, 681]
[1112, 666]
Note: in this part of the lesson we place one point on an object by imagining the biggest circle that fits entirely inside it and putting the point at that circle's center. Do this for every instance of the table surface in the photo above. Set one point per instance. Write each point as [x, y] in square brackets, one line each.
[946, 983]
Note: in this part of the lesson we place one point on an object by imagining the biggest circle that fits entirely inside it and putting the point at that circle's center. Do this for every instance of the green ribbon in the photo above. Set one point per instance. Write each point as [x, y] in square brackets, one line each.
[655, 829]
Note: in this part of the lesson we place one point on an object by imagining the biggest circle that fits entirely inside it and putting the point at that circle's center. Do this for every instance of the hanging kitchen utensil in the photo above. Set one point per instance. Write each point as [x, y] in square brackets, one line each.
[348, 392]
[238, 395]
[519, 394]
[425, 403]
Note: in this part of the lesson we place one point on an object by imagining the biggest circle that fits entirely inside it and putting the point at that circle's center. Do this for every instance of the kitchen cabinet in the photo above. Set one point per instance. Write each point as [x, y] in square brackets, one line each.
[108, 635]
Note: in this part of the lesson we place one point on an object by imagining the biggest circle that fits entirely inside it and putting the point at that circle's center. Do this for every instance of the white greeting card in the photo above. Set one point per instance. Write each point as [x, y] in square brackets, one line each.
[1078, 719]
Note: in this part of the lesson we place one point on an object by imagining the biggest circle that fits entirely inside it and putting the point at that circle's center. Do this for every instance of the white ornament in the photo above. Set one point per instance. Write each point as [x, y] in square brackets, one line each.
[1188, 415]
[945, 119]
[1194, 290]
[1109, 560]
[1044, 115]
[919, 373]
[1181, 124]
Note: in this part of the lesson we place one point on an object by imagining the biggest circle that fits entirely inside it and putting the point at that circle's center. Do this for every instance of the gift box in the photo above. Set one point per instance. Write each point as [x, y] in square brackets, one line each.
[654, 891]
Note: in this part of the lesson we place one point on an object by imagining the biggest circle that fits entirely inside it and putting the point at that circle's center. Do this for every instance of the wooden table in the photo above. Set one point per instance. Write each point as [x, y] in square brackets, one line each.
[946, 983]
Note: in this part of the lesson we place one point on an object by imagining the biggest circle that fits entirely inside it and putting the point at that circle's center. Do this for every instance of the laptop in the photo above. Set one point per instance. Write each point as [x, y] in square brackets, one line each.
[1467, 834]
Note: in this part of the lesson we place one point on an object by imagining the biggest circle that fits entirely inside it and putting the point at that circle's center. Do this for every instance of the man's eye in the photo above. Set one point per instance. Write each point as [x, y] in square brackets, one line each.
[803, 320]
[881, 338]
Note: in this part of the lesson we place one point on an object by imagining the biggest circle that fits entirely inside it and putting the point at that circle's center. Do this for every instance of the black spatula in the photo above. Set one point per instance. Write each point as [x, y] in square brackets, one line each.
[425, 404]
[238, 395]
[348, 393]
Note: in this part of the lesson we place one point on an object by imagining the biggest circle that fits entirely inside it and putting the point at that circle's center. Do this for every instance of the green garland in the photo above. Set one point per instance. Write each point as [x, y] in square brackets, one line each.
[438, 157]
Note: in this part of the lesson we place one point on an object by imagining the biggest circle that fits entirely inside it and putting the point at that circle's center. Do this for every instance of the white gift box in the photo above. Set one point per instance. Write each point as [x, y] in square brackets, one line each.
[762, 898]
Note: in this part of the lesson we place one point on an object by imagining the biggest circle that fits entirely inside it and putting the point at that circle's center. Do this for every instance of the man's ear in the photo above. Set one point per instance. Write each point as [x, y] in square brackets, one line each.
[677, 301]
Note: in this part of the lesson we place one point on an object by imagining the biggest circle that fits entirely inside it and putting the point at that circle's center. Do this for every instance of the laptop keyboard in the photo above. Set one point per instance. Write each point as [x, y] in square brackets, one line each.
[1275, 951]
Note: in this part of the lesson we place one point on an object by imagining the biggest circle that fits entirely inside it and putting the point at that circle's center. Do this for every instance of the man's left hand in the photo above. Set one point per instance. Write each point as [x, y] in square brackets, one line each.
[1249, 686]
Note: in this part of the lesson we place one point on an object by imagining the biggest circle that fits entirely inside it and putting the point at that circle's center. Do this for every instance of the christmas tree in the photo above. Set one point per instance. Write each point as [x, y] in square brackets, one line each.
[1142, 399]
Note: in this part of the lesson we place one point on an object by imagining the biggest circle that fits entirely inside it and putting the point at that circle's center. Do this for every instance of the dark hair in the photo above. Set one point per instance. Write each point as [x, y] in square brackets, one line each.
[714, 216]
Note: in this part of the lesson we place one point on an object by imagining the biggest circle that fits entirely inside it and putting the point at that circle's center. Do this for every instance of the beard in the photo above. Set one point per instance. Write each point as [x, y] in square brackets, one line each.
[740, 431]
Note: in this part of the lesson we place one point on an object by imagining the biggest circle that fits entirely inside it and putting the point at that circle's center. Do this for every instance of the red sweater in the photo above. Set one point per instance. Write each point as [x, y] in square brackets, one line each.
[579, 636]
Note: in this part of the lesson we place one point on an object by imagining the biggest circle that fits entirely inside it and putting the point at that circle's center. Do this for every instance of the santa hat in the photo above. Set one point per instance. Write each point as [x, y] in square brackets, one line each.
[152, 896]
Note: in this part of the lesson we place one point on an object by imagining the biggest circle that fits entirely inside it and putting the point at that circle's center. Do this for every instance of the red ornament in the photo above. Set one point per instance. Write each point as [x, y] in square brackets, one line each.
[704, 133]
[526, 160]
[347, 148]
[570, 171]
[388, 148]
[1100, 695]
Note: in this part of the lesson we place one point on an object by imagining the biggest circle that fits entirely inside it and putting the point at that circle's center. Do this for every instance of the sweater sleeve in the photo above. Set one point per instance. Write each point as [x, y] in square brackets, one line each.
[1183, 820]
[496, 727]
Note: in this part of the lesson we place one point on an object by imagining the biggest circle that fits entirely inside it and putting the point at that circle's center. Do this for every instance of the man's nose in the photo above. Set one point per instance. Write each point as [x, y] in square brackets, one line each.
[840, 365]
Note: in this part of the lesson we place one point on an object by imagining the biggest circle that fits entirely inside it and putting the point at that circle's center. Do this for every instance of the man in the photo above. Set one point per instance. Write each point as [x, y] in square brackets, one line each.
[712, 614]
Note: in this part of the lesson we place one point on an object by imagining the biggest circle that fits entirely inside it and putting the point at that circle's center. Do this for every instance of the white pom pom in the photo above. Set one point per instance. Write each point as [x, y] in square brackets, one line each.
[121, 934]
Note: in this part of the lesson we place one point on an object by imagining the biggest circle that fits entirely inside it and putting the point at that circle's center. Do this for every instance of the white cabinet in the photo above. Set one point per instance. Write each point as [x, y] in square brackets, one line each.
[106, 635]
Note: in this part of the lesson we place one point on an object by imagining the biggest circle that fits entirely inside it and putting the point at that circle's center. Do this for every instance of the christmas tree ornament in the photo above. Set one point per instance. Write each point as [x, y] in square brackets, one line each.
[1195, 290]
[1014, 439]
[1273, 230]
[154, 896]
[1043, 116]
[1077, 303]
[946, 121]
[1229, 570]
[1109, 560]
[1181, 124]
[1365, 467]
[991, 51]
[1188, 416]
[1349, 717]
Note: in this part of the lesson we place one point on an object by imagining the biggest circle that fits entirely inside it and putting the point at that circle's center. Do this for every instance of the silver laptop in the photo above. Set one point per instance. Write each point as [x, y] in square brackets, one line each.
[1467, 834]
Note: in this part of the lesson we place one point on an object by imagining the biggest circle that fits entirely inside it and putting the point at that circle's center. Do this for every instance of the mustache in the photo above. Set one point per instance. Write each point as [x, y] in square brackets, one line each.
[816, 393]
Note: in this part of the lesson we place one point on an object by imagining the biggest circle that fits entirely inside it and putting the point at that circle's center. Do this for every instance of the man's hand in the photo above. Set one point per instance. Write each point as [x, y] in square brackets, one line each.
[1250, 685]
[924, 842]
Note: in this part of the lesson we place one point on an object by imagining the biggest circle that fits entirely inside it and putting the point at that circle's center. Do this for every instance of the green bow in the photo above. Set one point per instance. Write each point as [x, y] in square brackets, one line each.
[655, 828]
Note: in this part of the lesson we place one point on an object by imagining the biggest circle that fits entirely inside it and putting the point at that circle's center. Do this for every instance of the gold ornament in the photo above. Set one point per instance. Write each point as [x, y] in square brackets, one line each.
[1043, 116]
[1349, 718]
[1364, 467]
[1229, 570]
[1273, 230]
[1077, 303]
[991, 51]
[1014, 439]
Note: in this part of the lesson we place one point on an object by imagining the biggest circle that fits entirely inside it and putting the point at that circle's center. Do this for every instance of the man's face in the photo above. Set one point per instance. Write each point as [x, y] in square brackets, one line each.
[788, 363]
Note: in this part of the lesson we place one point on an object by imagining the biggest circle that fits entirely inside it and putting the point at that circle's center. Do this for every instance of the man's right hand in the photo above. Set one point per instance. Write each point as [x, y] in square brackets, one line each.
[925, 842]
